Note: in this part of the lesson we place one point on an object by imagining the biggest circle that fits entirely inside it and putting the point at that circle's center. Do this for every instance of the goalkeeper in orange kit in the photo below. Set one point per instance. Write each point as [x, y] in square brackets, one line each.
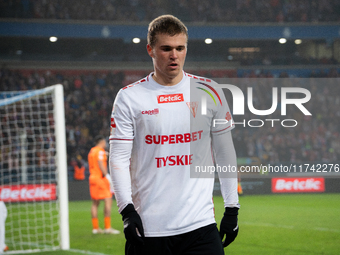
[100, 186]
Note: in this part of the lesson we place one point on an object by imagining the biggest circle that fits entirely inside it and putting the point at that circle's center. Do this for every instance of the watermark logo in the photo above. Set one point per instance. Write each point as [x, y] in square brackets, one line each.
[208, 92]
[239, 105]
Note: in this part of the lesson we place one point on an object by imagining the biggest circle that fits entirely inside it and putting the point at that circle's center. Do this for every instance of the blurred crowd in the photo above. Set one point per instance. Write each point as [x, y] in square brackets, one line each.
[89, 97]
[315, 138]
[187, 10]
[285, 59]
[88, 103]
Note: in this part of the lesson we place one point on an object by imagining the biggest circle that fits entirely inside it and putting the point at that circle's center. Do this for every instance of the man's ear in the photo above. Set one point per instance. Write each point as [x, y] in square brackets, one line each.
[149, 49]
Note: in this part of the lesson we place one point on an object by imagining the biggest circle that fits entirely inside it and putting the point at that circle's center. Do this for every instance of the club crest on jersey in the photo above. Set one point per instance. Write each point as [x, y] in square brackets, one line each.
[170, 98]
[193, 107]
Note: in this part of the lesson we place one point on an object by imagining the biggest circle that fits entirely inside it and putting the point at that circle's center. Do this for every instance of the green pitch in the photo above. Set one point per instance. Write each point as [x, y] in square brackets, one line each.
[269, 224]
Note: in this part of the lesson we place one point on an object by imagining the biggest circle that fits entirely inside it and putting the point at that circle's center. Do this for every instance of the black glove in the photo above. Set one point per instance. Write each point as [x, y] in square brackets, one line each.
[132, 223]
[229, 226]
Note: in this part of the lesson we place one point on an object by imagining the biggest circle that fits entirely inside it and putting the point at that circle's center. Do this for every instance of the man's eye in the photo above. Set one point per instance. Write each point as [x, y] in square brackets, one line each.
[180, 49]
[166, 49]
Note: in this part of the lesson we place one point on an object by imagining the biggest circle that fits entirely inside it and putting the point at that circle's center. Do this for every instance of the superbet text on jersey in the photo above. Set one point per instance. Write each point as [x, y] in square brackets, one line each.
[169, 135]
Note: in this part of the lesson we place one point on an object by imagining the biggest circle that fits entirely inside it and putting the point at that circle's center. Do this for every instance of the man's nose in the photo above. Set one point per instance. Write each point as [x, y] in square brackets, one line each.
[173, 54]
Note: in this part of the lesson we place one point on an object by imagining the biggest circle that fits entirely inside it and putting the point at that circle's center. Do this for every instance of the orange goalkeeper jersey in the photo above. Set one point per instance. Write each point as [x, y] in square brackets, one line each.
[96, 154]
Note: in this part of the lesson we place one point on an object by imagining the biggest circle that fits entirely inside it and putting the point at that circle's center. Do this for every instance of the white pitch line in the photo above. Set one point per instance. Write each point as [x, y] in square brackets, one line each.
[288, 227]
[267, 225]
[87, 252]
[45, 248]
[49, 250]
[328, 229]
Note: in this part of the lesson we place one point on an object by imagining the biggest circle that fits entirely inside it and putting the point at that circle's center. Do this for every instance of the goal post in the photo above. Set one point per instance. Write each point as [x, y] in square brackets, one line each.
[62, 165]
[33, 169]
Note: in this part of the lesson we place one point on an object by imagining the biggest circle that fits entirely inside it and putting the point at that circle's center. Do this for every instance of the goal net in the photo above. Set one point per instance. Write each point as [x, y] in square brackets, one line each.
[33, 169]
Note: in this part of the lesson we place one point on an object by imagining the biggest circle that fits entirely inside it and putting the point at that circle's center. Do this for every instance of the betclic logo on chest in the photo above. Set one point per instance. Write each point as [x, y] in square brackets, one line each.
[170, 98]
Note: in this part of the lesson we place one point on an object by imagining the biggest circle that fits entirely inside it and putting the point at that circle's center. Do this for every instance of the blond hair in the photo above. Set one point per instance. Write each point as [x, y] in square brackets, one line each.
[165, 24]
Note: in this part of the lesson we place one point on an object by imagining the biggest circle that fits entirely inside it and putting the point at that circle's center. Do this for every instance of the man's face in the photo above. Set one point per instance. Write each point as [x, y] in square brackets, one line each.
[168, 56]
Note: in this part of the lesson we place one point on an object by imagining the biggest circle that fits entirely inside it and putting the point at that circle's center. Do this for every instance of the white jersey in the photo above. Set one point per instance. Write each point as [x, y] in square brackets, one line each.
[169, 136]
